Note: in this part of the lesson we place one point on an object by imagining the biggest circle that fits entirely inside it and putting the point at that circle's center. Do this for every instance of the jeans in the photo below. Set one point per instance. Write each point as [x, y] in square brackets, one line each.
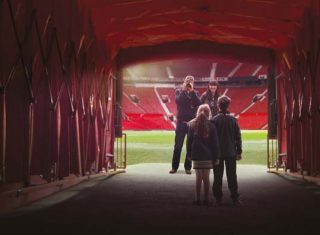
[231, 168]
[181, 132]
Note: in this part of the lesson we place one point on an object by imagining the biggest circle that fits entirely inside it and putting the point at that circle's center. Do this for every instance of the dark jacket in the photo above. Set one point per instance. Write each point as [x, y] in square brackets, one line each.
[229, 135]
[200, 148]
[187, 104]
[211, 100]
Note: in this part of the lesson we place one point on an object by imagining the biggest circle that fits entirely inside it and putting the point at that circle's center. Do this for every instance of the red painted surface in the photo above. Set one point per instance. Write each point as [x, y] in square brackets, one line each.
[59, 58]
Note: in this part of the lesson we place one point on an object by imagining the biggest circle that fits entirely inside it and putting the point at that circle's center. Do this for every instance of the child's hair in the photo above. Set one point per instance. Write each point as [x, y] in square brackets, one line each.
[201, 124]
[223, 103]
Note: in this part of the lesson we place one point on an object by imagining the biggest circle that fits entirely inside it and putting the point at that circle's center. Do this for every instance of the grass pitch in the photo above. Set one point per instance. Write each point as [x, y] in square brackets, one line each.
[157, 147]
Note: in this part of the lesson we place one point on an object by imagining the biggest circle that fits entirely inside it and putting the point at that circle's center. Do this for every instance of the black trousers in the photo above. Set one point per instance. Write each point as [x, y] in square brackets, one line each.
[181, 132]
[231, 172]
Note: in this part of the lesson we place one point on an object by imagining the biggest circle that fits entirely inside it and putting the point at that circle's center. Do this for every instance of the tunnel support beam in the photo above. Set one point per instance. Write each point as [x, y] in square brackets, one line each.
[3, 136]
[78, 142]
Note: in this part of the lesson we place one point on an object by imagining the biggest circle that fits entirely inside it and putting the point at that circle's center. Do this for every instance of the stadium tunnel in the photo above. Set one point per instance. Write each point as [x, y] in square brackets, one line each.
[61, 84]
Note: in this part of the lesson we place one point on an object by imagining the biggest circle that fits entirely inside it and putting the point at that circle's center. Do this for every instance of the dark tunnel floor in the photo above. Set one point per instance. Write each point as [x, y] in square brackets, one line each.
[148, 200]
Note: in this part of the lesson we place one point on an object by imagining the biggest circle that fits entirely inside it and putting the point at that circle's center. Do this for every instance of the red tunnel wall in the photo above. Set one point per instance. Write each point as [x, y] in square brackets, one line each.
[298, 93]
[56, 118]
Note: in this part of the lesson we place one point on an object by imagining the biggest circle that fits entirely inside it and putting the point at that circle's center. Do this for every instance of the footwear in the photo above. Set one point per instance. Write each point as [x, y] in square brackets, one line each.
[172, 171]
[237, 202]
[197, 202]
[188, 172]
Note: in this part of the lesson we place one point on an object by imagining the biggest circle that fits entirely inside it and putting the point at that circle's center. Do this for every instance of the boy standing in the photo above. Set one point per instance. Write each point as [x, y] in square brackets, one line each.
[229, 136]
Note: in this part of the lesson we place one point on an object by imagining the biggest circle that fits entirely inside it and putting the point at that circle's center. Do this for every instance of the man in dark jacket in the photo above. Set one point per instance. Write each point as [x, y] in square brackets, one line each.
[187, 100]
[230, 147]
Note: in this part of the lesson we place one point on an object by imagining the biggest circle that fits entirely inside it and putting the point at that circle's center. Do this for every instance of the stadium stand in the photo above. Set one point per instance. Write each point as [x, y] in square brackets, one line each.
[253, 121]
[223, 69]
[129, 105]
[147, 122]
[242, 97]
[251, 113]
[151, 105]
[170, 93]
[147, 99]
[245, 70]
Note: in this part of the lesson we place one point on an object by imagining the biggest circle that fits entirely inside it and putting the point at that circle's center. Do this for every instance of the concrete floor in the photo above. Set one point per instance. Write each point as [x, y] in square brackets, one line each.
[148, 200]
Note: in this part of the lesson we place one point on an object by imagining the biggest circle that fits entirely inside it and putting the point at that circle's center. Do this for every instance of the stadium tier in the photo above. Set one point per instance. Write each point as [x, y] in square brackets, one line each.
[241, 97]
[154, 108]
[253, 121]
[130, 105]
[145, 98]
[148, 121]
[245, 69]
[170, 92]
[224, 70]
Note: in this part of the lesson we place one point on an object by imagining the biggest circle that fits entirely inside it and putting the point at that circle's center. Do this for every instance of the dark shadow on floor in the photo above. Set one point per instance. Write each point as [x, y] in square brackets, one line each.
[149, 200]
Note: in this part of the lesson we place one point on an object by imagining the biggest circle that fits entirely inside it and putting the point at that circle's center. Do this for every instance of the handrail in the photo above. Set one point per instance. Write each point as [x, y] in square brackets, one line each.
[121, 151]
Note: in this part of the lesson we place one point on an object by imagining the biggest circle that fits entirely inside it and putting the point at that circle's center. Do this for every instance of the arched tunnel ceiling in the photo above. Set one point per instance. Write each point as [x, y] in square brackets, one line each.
[260, 24]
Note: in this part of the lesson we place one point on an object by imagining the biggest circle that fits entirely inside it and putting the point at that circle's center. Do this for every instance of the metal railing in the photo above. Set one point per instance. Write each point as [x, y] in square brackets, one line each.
[272, 152]
[120, 151]
[275, 159]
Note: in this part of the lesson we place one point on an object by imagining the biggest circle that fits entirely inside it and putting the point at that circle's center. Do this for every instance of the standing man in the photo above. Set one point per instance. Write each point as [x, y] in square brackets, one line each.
[230, 141]
[187, 100]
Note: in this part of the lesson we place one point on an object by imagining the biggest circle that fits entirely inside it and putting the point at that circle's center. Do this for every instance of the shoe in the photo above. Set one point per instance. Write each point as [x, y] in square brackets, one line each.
[197, 202]
[237, 202]
[188, 172]
[172, 171]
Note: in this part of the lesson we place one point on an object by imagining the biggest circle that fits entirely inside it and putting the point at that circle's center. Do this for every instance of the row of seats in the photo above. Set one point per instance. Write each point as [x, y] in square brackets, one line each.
[149, 121]
[203, 68]
[249, 105]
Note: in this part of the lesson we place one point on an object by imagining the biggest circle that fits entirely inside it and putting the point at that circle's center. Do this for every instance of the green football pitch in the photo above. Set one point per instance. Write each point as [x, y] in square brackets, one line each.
[157, 147]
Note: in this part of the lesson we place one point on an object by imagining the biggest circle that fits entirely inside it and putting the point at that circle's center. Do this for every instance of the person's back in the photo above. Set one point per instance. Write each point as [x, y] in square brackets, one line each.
[228, 133]
[229, 136]
[203, 148]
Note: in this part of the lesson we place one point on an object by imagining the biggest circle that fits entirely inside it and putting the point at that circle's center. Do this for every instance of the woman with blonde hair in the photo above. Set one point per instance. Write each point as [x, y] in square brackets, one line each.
[203, 149]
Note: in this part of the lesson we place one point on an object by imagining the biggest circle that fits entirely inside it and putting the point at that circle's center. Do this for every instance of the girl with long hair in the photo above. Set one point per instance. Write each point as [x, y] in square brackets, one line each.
[203, 149]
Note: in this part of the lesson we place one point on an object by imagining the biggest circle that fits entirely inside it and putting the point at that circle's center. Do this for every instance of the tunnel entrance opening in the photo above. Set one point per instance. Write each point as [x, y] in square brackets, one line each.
[149, 109]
